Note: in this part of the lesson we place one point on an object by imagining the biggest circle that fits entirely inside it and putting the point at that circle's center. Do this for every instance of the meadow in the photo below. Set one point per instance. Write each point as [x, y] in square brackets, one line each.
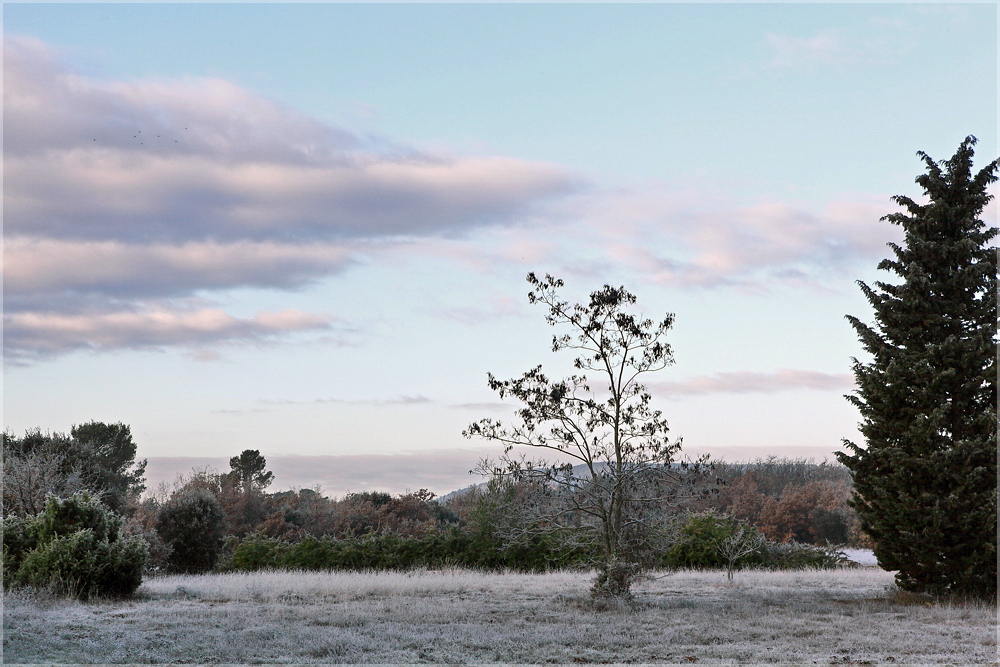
[842, 616]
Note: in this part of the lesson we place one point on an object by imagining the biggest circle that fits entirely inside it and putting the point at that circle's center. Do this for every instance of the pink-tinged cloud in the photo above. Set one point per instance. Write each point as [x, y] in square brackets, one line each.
[670, 238]
[745, 382]
[35, 266]
[38, 334]
[196, 160]
[121, 194]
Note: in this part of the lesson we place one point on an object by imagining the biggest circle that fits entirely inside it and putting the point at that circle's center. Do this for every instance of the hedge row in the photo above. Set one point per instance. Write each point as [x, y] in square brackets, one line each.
[452, 548]
[696, 547]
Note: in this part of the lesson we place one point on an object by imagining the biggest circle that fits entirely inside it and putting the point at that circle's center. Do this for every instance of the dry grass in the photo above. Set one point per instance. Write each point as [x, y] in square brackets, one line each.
[810, 617]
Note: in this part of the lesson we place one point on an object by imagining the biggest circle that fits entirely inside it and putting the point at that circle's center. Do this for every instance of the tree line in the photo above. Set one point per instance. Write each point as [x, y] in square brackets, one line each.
[83, 527]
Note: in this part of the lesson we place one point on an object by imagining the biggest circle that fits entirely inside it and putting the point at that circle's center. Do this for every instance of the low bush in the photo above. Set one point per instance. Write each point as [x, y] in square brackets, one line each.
[797, 556]
[74, 547]
[193, 524]
[393, 552]
[702, 536]
[700, 539]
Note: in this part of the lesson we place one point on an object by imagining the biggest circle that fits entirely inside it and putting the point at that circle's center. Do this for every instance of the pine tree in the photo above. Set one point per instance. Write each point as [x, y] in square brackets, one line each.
[925, 485]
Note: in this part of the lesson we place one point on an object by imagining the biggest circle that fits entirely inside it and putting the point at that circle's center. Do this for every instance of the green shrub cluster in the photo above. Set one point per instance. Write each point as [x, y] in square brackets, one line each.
[701, 534]
[193, 524]
[697, 546]
[73, 547]
[452, 548]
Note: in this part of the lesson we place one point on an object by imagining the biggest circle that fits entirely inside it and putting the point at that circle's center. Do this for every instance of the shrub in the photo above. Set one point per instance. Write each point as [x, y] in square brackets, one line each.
[193, 523]
[74, 547]
[258, 552]
[797, 556]
[19, 538]
[81, 565]
[79, 512]
[142, 524]
[701, 538]
[704, 536]
[394, 552]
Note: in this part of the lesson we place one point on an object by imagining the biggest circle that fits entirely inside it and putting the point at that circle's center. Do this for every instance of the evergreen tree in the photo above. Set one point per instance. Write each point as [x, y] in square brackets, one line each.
[249, 470]
[925, 485]
[108, 458]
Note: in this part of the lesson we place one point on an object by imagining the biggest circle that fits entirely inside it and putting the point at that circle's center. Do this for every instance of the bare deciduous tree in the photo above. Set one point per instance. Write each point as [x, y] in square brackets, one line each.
[742, 541]
[29, 479]
[613, 500]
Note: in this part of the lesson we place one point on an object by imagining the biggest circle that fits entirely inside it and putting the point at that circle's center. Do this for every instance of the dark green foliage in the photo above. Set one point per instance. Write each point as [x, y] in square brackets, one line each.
[81, 512]
[828, 526]
[925, 485]
[75, 547]
[20, 536]
[108, 460]
[697, 548]
[702, 536]
[81, 565]
[193, 524]
[797, 556]
[698, 541]
[452, 548]
[249, 470]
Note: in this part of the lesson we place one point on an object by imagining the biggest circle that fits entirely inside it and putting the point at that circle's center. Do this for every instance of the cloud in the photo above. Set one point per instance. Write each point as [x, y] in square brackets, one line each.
[45, 266]
[202, 159]
[28, 334]
[399, 400]
[682, 240]
[690, 239]
[120, 196]
[754, 383]
[96, 195]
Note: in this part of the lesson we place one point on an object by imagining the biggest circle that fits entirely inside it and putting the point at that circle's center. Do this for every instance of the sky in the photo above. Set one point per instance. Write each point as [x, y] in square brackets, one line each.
[304, 229]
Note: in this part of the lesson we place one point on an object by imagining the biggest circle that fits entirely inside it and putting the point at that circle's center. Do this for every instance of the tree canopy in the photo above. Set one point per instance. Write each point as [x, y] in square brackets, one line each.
[95, 456]
[249, 470]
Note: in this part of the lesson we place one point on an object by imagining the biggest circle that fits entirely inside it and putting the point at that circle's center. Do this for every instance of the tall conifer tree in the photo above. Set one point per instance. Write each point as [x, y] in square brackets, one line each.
[925, 484]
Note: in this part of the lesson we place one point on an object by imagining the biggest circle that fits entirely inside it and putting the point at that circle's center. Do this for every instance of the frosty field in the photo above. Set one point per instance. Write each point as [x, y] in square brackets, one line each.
[849, 616]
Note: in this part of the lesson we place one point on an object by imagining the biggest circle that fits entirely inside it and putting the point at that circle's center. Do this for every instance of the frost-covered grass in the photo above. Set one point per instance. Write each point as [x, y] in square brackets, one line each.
[807, 617]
